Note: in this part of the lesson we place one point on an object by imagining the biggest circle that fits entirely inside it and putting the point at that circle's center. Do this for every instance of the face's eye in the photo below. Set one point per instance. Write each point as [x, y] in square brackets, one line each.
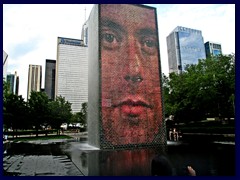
[110, 40]
[149, 45]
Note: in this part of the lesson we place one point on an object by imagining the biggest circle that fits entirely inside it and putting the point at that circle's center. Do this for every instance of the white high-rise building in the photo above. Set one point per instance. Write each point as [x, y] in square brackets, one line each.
[71, 81]
[34, 79]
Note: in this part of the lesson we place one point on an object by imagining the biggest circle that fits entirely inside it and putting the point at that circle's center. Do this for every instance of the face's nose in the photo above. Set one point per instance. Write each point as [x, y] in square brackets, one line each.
[134, 60]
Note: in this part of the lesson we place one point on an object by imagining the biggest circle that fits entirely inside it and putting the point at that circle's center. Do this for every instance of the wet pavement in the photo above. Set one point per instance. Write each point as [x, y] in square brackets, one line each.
[39, 158]
[41, 165]
[76, 158]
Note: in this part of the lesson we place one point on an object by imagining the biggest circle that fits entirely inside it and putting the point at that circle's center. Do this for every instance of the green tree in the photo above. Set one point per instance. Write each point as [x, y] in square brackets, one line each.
[6, 115]
[81, 117]
[39, 109]
[15, 112]
[75, 118]
[6, 88]
[60, 112]
[204, 89]
[83, 112]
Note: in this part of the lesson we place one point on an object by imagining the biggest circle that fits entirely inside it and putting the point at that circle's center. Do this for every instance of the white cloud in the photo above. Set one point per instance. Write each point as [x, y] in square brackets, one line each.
[216, 21]
[40, 24]
[30, 31]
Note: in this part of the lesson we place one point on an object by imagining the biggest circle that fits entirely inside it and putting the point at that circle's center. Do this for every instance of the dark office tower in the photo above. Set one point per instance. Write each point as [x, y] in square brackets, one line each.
[185, 46]
[124, 100]
[17, 85]
[213, 49]
[13, 81]
[50, 70]
[10, 81]
[34, 79]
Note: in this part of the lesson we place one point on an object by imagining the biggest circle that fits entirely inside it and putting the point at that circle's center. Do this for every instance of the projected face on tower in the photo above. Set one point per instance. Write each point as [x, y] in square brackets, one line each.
[131, 94]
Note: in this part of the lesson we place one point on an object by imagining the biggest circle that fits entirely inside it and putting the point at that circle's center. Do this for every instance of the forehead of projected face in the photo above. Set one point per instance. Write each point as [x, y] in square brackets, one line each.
[128, 26]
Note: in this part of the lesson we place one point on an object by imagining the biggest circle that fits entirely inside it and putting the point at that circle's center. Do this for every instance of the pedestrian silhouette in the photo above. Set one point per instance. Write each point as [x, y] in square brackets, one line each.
[161, 166]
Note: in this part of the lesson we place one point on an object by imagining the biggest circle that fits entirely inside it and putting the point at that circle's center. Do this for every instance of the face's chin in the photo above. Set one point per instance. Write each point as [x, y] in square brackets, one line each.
[131, 117]
[126, 125]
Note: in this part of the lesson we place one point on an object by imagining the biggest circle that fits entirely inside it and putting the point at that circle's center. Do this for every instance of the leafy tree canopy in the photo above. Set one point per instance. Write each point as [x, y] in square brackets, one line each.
[206, 89]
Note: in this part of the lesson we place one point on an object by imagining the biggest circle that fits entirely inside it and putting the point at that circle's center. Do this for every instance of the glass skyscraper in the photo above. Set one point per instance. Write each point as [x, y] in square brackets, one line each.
[185, 46]
[13, 81]
[213, 49]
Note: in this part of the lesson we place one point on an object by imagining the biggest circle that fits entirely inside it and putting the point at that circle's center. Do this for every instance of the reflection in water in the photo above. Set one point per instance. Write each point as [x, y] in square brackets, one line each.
[207, 160]
[78, 158]
[83, 158]
[127, 162]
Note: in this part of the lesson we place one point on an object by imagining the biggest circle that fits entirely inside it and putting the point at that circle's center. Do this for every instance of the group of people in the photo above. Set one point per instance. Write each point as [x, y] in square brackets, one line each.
[173, 134]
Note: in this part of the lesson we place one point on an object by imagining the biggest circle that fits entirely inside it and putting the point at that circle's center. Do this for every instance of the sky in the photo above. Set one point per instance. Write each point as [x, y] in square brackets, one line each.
[30, 31]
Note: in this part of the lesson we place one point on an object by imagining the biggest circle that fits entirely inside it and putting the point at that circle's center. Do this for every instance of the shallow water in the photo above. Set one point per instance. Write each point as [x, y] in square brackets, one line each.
[76, 157]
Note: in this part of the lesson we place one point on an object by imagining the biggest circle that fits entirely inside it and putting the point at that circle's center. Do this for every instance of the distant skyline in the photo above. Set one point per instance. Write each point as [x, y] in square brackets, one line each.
[30, 31]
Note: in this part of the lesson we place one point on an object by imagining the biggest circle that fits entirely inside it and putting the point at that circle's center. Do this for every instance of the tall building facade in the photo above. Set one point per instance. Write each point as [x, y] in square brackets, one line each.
[213, 49]
[5, 63]
[72, 72]
[13, 81]
[185, 46]
[34, 79]
[50, 71]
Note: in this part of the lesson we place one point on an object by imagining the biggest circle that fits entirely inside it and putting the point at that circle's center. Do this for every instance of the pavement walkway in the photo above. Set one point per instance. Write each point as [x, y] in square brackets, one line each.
[41, 165]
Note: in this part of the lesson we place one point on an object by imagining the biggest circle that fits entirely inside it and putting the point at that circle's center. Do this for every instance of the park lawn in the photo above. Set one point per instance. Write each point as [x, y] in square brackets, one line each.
[49, 137]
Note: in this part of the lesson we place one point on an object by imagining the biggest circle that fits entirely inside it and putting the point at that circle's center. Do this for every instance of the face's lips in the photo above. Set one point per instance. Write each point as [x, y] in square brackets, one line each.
[133, 108]
[130, 102]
